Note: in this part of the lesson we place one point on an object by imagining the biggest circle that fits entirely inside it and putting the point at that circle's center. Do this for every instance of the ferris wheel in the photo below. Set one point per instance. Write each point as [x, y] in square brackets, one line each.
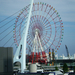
[45, 30]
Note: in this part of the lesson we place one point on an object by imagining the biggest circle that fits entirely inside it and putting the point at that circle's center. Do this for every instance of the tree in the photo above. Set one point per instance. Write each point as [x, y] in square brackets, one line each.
[74, 68]
[56, 68]
[65, 68]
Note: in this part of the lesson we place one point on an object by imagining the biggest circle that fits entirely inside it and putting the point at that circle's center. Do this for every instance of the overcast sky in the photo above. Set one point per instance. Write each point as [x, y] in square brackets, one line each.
[66, 9]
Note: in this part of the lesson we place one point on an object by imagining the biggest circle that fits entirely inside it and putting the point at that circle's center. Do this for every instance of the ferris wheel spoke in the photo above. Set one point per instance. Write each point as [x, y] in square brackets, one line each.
[31, 19]
[45, 24]
[53, 45]
[38, 6]
[30, 43]
[45, 41]
[20, 18]
[46, 15]
[42, 7]
[33, 7]
[29, 40]
[17, 25]
[55, 17]
[52, 13]
[17, 36]
[50, 9]
[58, 21]
[46, 8]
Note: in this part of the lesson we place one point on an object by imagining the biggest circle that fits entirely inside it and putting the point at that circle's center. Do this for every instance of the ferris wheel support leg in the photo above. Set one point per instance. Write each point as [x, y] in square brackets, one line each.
[36, 57]
[32, 57]
[39, 54]
[43, 54]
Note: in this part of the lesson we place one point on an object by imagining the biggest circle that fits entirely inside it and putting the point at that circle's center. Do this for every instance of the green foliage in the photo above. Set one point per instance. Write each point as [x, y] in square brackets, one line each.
[65, 68]
[56, 68]
[42, 73]
[74, 68]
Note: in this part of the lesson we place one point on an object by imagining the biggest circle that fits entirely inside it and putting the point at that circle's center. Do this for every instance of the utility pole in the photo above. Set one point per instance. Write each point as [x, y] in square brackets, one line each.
[52, 56]
[49, 56]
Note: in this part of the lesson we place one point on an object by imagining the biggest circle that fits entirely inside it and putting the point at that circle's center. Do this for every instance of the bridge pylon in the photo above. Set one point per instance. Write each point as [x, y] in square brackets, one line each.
[22, 45]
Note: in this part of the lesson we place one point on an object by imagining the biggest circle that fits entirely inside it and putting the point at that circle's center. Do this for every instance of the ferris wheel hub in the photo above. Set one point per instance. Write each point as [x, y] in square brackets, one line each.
[36, 30]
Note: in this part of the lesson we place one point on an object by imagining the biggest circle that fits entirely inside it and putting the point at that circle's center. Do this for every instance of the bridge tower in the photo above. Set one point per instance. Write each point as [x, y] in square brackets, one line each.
[22, 45]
